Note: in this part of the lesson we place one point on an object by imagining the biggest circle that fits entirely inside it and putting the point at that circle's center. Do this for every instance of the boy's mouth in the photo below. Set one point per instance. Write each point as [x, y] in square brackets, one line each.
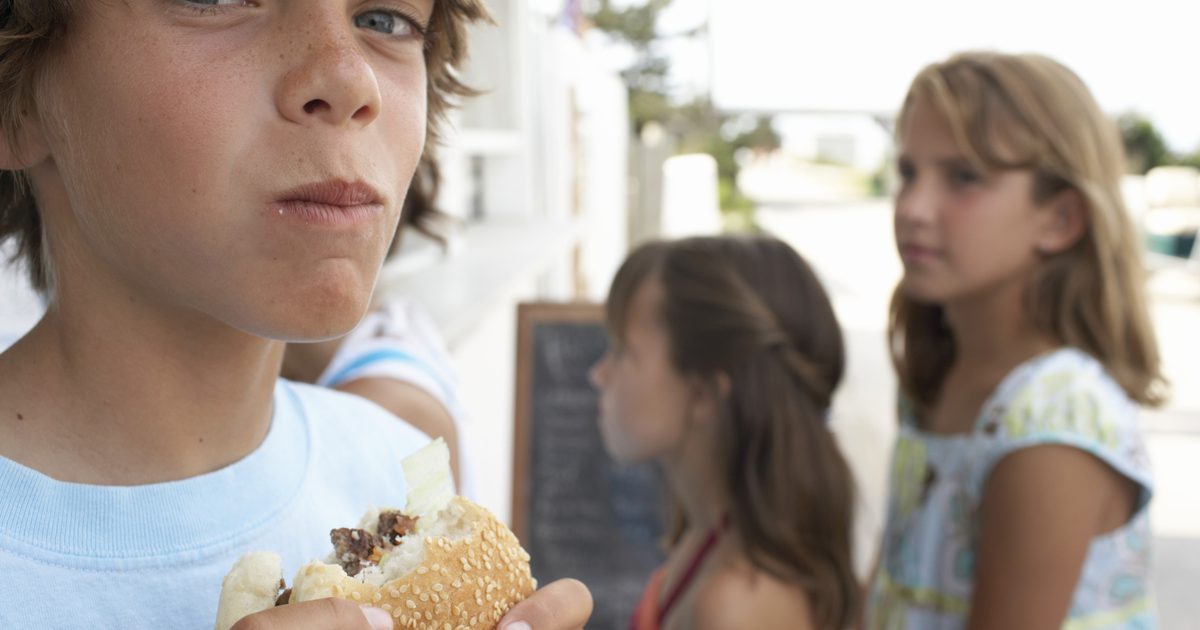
[330, 202]
[334, 192]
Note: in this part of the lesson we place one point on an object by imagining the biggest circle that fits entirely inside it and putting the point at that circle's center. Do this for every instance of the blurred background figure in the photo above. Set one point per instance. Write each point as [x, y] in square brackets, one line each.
[723, 360]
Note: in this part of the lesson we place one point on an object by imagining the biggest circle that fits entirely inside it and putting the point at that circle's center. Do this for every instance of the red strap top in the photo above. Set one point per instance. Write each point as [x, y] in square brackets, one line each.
[648, 615]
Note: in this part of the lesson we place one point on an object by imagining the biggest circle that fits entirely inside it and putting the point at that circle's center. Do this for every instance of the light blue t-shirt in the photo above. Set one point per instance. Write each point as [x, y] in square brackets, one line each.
[153, 556]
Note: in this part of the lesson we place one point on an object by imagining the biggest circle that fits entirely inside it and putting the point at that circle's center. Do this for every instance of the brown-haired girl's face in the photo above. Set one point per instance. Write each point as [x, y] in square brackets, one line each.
[644, 402]
[961, 231]
[247, 160]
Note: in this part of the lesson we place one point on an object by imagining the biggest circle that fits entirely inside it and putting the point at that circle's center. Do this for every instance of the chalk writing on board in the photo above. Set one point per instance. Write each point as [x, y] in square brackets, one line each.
[585, 516]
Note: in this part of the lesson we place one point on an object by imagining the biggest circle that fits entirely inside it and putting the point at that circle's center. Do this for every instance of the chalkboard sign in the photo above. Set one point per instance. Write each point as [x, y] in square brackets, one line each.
[578, 513]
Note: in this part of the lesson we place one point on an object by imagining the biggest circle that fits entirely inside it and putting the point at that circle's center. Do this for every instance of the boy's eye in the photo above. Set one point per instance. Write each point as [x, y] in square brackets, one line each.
[906, 171]
[387, 23]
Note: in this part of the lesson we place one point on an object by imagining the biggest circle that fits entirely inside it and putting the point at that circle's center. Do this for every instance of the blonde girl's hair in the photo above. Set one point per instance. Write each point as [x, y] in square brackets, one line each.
[1030, 112]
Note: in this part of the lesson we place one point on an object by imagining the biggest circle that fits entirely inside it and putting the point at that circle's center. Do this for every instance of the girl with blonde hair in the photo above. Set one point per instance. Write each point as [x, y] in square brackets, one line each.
[1020, 480]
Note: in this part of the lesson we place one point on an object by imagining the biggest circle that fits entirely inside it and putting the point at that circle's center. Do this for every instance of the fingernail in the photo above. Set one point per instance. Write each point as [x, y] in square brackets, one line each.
[518, 625]
[378, 618]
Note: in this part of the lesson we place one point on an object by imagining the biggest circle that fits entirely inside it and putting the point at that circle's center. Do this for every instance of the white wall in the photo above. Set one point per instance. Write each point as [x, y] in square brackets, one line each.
[548, 144]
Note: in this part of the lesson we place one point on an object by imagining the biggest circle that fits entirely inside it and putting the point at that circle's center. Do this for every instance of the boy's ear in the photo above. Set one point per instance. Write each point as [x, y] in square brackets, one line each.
[29, 147]
[1065, 222]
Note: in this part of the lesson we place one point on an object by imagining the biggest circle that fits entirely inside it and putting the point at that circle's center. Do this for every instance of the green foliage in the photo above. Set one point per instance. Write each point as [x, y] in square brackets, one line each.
[1192, 160]
[1144, 145]
[636, 25]
[698, 126]
[646, 76]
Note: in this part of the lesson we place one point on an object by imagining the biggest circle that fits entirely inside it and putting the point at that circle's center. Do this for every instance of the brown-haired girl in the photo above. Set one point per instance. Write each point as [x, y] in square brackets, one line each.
[1021, 338]
[725, 356]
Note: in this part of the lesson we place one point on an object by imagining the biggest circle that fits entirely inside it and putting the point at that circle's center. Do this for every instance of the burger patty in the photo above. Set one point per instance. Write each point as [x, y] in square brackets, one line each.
[393, 526]
[355, 548]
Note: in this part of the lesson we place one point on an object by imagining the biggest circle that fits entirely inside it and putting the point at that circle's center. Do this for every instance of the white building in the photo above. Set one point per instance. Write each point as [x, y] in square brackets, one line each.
[537, 168]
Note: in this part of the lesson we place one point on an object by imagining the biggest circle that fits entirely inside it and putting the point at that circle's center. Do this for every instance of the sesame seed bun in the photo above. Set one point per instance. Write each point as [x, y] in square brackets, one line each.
[461, 570]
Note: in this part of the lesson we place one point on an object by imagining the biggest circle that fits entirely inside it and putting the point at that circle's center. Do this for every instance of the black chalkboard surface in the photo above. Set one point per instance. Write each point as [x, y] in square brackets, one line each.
[578, 513]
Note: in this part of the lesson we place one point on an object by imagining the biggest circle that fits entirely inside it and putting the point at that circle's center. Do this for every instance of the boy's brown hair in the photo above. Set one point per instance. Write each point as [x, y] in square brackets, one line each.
[29, 29]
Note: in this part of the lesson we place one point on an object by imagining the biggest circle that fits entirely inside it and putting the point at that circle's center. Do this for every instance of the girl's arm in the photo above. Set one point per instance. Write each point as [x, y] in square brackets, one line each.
[1042, 506]
[412, 404]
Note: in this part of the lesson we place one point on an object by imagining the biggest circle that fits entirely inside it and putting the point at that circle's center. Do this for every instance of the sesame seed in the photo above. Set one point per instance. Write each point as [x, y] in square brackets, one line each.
[411, 604]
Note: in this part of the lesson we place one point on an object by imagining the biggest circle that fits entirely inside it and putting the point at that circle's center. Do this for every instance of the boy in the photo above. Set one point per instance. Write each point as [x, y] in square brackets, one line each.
[193, 182]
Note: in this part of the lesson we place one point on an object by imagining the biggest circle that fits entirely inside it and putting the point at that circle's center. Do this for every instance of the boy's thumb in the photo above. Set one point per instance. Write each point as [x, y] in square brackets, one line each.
[378, 618]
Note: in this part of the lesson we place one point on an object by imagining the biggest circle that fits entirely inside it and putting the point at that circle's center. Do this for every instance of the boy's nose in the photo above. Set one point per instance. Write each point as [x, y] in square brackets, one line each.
[329, 80]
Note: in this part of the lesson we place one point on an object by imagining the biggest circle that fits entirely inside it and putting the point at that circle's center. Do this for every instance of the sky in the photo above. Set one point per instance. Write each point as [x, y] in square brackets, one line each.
[859, 55]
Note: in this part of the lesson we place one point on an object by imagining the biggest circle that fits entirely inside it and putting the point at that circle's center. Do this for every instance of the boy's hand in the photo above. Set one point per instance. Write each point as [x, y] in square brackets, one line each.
[562, 605]
[318, 614]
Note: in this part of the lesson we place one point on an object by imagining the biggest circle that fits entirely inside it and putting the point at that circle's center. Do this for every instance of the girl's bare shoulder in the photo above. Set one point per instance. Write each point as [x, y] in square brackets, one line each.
[737, 595]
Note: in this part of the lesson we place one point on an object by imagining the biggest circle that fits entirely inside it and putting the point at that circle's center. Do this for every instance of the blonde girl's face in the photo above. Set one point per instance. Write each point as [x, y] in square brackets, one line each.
[644, 401]
[961, 232]
[240, 162]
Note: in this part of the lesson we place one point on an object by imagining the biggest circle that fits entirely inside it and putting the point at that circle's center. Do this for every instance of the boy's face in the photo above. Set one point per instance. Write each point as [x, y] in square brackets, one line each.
[243, 160]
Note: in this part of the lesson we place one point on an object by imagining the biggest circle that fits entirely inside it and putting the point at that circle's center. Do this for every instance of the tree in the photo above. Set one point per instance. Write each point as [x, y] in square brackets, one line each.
[698, 125]
[1144, 145]
[646, 76]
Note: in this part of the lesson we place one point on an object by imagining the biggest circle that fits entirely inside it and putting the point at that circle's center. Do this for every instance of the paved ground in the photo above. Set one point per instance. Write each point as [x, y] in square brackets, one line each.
[851, 247]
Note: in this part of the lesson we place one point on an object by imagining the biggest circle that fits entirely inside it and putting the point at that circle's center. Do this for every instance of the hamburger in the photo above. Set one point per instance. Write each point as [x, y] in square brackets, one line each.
[441, 562]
